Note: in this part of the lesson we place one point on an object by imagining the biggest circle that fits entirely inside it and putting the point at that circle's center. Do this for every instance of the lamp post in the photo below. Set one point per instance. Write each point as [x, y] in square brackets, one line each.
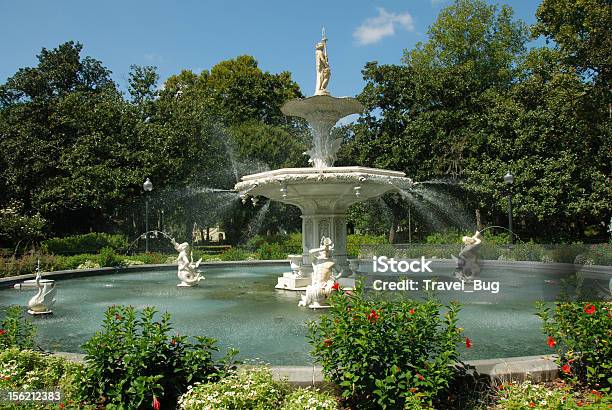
[509, 180]
[148, 187]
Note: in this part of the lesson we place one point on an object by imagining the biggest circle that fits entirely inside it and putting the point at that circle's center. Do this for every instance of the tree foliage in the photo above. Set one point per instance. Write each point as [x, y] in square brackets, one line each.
[471, 103]
[76, 151]
[582, 31]
[465, 106]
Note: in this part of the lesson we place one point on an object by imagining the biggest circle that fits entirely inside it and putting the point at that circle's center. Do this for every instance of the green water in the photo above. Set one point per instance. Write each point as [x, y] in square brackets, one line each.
[240, 307]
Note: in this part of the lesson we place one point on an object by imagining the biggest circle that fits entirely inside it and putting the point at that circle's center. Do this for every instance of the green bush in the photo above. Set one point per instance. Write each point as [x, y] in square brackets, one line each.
[15, 330]
[527, 395]
[108, 258]
[597, 254]
[271, 251]
[444, 238]
[30, 370]
[455, 237]
[580, 334]
[253, 388]
[18, 228]
[256, 241]
[300, 399]
[151, 258]
[236, 254]
[88, 243]
[134, 361]
[355, 241]
[275, 246]
[385, 353]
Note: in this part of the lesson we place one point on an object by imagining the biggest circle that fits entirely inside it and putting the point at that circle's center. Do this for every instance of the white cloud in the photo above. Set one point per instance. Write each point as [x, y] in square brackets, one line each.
[153, 57]
[374, 29]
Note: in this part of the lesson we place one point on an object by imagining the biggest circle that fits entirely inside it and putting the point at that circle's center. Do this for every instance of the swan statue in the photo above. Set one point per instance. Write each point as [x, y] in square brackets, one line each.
[41, 303]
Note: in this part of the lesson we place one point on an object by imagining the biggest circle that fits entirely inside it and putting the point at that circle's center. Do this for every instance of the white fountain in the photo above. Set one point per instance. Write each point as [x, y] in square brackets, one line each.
[41, 302]
[324, 192]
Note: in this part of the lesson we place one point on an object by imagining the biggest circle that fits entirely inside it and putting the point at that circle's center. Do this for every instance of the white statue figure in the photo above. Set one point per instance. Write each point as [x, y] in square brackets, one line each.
[187, 269]
[323, 278]
[323, 71]
[467, 262]
[41, 303]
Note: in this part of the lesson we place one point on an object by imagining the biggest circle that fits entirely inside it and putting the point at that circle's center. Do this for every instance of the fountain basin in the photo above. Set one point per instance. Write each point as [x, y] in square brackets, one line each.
[332, 188]
[237, 305]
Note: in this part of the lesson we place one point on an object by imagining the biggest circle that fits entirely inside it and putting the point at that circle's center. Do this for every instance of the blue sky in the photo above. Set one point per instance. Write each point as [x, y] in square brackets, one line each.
[197, 34]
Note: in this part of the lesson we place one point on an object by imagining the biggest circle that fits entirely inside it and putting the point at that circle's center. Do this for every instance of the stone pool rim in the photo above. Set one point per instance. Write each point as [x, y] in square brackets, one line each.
[538, 368]
[560, 268]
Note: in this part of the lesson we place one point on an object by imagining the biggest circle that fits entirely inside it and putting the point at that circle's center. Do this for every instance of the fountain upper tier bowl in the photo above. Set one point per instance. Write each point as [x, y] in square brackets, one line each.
[331, 188]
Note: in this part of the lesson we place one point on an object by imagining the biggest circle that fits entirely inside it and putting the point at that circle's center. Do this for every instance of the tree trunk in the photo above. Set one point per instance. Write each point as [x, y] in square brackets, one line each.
[478, 221]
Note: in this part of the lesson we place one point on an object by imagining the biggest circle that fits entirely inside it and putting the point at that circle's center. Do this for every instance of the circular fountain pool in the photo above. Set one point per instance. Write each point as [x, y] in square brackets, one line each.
[238, 306]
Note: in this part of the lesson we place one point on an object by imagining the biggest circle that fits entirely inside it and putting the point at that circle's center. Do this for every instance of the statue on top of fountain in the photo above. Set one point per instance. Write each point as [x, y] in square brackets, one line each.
[187, 269]
[324, 275]
[467, 261]
[323, 70]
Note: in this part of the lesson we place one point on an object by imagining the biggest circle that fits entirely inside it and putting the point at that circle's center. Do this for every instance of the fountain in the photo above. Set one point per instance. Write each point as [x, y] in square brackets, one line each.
[40, 304]
[323, 192]
[188, 270]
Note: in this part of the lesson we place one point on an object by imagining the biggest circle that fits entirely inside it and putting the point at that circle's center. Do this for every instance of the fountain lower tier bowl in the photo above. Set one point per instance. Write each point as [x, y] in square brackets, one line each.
[332, 188]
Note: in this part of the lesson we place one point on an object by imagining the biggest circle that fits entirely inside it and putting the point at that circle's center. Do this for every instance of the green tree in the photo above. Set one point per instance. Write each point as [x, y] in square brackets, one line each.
[419, 115]
[582, 31]
[247, 133]
[143, 88]
[60, 123]
[469, 104]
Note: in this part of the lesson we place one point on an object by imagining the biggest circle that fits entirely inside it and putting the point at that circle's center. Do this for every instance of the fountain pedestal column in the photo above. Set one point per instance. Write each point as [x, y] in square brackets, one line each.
[317, 225]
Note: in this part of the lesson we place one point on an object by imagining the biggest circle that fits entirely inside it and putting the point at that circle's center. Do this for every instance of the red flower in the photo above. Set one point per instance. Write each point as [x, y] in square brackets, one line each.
[62, 405]
[173, 342]
[413, 390]
[373, 316]
[589, 309]
[566, 368]
[468, 342]
[155, 404]
[2, 331]
[335, 286]
[531, 404]
[597, 393]
[412, 311]
[420, 376]
[580, 404]
[551, 342]
[117, 317]
[328, 342]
